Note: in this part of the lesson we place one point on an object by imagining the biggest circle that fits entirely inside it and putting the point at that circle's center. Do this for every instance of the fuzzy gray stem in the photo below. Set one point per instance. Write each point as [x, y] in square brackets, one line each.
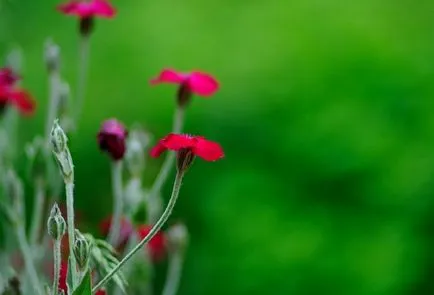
[54, 84]
[28, 259]
[173, 274]
[57, 262]
[38, 210]
[167, 165]
[69, 186]
[167, 212]
[115, 228]
[82, 76]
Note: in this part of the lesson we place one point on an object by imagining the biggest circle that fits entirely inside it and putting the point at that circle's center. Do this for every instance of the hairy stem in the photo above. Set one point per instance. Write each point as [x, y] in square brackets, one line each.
[54, 84]
[38, 210]
[69, 186]
[82, 75]
[167, 165]
[173, 274]
[28, 259]
[167, 212]
[115, 228]
[57, 261]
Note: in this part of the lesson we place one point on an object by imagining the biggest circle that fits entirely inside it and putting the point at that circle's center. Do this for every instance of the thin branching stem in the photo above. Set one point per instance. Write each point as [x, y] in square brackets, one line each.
[167, 212]
[115, 228]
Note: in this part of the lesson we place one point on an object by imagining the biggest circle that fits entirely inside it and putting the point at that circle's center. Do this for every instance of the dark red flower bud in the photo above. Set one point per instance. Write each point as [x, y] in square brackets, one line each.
[111, 139]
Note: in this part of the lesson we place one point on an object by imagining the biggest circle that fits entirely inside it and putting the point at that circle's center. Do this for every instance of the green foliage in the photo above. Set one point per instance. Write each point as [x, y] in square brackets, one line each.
[103, 259]
[85, 287]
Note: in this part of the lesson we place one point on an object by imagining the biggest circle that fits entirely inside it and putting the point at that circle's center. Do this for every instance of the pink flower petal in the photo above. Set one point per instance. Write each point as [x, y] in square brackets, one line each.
[208, 150]
[176, 142]
[203, 84]
[103, 9]
[169, 76]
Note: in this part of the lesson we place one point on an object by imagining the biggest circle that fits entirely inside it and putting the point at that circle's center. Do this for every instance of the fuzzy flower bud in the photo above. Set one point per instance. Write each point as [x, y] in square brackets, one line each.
[56, 224]
[177, 237]
[52, 55]
[111, 139]
[59, 143]
[81, 250]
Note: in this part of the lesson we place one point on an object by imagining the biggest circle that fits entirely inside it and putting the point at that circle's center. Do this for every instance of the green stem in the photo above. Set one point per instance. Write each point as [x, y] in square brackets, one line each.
[173, 274]
[57, 262]
[167, 212]
[38, 209]
[115, 228]
[28, 259]
[69, 186]
[167, 165]
[82, 76]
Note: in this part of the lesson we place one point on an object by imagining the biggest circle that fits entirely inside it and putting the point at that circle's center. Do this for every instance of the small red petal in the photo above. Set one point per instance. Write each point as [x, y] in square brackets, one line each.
[169, 76]
[208, 150]
[176, 142]
[157, 150]
[203, 84]
[23, 100]
[103, 9]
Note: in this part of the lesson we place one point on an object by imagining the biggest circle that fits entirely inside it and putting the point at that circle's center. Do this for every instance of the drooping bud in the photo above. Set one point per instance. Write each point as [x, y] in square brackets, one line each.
[51, 55]
[56, 224]
[37, 160]
[138, 141]
[59, 143]
[81, 250]
[177, 237]
[111, 139]
[184, 159]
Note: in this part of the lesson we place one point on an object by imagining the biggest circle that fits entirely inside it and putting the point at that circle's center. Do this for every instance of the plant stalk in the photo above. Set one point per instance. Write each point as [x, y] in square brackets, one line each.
[115, 228]
[166, 214]
[69, 186]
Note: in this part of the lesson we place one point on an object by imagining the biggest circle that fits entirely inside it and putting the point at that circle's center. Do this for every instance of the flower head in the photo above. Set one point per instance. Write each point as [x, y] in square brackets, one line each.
[199, 83]
[201, 147]
[157, 245]
[125, 233]
[111, 138]
[86, 9]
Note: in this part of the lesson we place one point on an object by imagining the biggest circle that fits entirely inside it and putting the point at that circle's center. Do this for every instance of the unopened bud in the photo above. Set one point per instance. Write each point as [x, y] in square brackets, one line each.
[81, 250]
[52, 55]
[184, 159]
[177, 237]
[59, 143]
[56, 224]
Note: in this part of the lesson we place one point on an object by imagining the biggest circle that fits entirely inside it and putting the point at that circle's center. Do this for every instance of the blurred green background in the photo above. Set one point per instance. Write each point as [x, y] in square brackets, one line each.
[325, 115]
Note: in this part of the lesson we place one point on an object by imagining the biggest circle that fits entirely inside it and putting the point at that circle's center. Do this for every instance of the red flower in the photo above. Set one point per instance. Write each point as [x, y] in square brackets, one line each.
[125, 233]
[100, 292]
[88, 9]
[10, 95]
[195, 82]
[157, 245]
[199, 146]
[111, 138]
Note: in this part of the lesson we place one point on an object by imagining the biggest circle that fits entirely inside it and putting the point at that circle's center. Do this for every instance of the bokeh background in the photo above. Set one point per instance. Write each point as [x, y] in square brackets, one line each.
[325, 114]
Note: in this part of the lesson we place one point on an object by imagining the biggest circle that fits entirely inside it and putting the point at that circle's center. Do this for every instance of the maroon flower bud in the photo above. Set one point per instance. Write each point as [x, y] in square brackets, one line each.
[111, 139]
